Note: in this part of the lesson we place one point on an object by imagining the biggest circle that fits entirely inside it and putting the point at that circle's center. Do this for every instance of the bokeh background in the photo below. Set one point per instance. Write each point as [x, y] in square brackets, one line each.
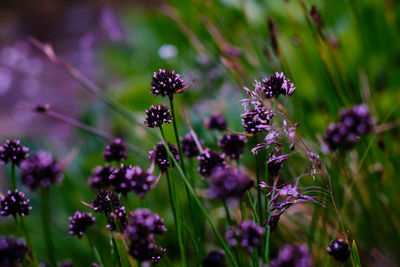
[223, 45]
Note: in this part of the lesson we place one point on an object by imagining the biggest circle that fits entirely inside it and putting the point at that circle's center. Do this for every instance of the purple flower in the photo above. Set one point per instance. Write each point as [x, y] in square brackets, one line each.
[210, 160]
[215, 259]
[275, 164]
[12, 251]
[216, 121]
[40, 170]
[14, 203]
[189, 147]
[79, 223]
[141, 181]
[146, 250]
[166, 83]
[277, 84]
[160, 156]
[100, 177]
[339, 249]
[106, 202]
[143, 222]
[121, 178]
[294, 256]
[256, 120]
[120, 217]
[157, 115]
[229, 184]
[232, 145]
[248, 235]
[13, 151]
[115, 151]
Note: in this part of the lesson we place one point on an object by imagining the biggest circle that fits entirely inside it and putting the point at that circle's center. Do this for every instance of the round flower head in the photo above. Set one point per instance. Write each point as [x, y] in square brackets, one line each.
[141, 181]
[232, 145]
[166, 83]
[121, 178]
[14, 203]
[216, 121]
[12, 251]
[105, 202]
[160, 156]
[143, 223]
[290, 255]
[157, 115]
[118, 216]
[256, 120]
[100, 177]
[339, 249]
[215, 259]
[13, 151]
[146, 250]
[210, 160]
[248, 235]
[277, 84]
[115, 151]
[79, 223]
[229, 184]
[39, 170]
[189, 147]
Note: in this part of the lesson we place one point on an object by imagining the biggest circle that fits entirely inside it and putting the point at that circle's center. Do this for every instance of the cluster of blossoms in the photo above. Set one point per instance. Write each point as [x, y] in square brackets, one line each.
[189, 146]
[210, 160]
[105, 202]
[140, 230]
[118, 216]
[157, 115]
[339, 249]
[100, 178]
[216, 122]
[166, 83]
[115, 151]
[232, 145]
[13, 151]
[14, 203]
[12, 251]
[277, 84]
[353, 124]
[291, 255]
[79, 223]
[248, 235]
[159, 155]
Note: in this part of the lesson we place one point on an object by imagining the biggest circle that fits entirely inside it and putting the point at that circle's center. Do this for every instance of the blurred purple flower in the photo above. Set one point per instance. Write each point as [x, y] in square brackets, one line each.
[294, 256]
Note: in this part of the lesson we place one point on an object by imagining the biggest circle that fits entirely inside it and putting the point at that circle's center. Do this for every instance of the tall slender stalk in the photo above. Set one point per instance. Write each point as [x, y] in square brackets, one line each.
[94, 250]
[13, 177]
[47, 227]
[228, 214]
[258, 177]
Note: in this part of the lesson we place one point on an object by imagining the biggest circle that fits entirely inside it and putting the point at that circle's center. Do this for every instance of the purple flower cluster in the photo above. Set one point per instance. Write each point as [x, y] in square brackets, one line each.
[12, 251]
[141, 228]
[257, 119]
[189, 147]
[80, 222]
[353, 124]
[166, 83]
[39, 170]
[100, 177]
[13, 151]
[14, 203]
[210, 160]
[120, 217]
[216, 122]
[160, 156]
[294, 256]
[229, 184]
[157, 115]
[248, 235]
[277, 84]
[232, 145]
[105, 202]
[339, 249]
[115, 151]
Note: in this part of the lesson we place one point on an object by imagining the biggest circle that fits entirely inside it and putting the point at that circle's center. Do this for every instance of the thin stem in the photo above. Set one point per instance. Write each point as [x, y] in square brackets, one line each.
[13, 177]
[198, 202]
[258, 177]
[94, 251]
[228, 214]
[28, 239]
[253, 208]
[47, 226]
[116, 250]
[268, 230]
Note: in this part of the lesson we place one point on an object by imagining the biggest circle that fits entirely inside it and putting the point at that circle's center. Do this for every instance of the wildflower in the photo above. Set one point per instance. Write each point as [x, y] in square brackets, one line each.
[189, 147]
[79, 223]
[160, 156]
[257, 119]
[339, 249]
[115, 151]
[13, 151]
[290, 255]
[275, 164]
[40, 170]
[210, 160]
[166, 83]
[157, 115]
[118, 216]
[105, 202]
[141, 181]
[100, 177]
[215, 259]
[232, 145]
[229, 184]
[146, 250]
[121, 178]
[277, 84]
[248, 235]
[216, 121]
[14, 203]
[12, 251]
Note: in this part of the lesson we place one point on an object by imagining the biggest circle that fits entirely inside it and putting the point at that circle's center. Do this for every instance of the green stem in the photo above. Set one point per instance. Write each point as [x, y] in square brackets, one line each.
[116, 250]
[47, 227]
[253, 208]
[13, 177]
[268, 230]
[258, 177]
[228, 214]
[28, 240]
[198, 202]
[94, 251]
